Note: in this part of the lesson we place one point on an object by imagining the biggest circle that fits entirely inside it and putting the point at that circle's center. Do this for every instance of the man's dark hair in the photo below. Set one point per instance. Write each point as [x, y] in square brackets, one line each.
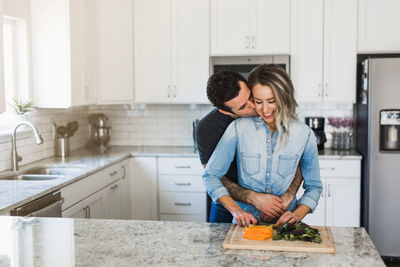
[222, 86]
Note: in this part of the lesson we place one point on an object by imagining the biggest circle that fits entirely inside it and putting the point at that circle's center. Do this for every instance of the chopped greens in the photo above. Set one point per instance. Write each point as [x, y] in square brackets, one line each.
[298, 231]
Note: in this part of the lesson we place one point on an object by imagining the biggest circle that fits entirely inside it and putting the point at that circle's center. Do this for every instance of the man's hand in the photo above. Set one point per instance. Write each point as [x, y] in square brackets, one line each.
[243, 218]
[268, 204]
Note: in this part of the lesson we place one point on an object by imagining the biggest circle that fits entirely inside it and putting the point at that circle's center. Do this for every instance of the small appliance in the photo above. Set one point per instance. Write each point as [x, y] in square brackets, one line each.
[317, 125]
[100, 134]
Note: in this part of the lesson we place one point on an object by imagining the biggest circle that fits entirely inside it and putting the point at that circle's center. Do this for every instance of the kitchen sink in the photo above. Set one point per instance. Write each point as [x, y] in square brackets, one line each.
[33, 177]
[44, 172]
[52, 170]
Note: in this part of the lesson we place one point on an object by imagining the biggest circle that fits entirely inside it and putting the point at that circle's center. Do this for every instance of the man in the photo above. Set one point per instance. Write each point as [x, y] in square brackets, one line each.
[229, 93]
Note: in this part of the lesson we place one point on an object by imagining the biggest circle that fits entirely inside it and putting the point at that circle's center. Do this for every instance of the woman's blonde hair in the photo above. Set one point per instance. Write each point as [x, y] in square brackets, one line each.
[279, 81]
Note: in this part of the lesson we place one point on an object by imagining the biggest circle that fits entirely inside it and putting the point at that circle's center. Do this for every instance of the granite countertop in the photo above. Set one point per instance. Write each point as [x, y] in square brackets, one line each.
[90, 242]
[14, 193]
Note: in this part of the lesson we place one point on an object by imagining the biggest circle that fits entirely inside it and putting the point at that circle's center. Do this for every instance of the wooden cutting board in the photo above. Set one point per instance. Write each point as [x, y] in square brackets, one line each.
[234, 240]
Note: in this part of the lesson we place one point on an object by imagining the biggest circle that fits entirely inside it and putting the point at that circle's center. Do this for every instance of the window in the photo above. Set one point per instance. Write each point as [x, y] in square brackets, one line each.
[15, 60]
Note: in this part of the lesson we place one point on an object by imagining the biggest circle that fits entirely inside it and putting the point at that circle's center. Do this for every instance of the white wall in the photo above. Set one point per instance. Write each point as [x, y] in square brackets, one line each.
[17, 9]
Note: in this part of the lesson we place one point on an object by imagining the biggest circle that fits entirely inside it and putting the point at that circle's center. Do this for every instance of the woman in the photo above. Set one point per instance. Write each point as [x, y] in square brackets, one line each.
[269, 148]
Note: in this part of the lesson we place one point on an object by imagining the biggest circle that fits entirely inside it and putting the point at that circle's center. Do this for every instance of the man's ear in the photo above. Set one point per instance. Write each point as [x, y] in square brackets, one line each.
[226, 112]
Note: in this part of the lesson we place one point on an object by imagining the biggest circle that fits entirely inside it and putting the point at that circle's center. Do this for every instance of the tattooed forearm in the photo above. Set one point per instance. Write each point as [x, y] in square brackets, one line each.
[292, 190]
[237, 192]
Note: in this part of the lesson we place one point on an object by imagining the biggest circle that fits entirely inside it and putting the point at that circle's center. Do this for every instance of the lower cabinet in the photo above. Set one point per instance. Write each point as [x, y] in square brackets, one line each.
[339, 204]
[181, 193]
[99, 196]
[143, 188]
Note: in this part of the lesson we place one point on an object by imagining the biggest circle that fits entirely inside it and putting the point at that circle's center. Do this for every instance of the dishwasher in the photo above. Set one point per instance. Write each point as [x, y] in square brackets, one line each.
[46, 206]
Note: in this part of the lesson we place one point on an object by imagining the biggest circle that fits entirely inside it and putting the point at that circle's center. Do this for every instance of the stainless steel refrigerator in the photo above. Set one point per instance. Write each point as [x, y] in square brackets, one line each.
[378, 140]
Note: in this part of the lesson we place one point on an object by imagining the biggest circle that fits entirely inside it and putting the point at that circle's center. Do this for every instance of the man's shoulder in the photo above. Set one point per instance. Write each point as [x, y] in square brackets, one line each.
[214, 119]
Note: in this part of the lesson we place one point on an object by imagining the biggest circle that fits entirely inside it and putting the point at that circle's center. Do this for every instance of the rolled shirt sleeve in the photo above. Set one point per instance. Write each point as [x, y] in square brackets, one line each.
[219, 163]
[311, 175]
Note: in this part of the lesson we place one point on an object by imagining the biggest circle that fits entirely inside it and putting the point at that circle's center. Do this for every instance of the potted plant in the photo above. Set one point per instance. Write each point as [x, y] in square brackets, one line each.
[22, 108]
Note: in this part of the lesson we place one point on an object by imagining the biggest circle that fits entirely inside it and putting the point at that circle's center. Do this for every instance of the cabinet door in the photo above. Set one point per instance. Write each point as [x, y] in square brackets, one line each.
[190, 47]
[77, 211]
[153, 63]
[343, 202]
[230, 27]
[115, 84]
[113, 201]
[318, 216]
[377, 26]
[270, 27]
[2, 96]
[307, 49]
[144, 188]
[96, 205]
[126, 190]
[340, 50]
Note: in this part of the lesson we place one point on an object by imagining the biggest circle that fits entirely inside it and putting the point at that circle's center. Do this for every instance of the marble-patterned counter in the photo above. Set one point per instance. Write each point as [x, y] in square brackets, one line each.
[89, 242]
[328, 153]
[14, 193]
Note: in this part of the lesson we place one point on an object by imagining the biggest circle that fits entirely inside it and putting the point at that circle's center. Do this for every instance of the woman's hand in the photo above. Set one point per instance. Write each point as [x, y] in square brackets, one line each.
[287, 217]
[243, 218]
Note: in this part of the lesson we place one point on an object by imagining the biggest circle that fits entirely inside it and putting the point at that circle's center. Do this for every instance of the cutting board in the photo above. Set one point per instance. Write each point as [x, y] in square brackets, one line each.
[234, 240]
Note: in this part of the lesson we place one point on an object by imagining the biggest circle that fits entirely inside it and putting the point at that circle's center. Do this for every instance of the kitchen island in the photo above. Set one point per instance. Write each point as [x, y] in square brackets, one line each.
[88, 242]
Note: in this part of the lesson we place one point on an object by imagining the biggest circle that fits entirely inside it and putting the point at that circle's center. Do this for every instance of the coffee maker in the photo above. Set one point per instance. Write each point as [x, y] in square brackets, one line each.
[99, 133]
[317, 125]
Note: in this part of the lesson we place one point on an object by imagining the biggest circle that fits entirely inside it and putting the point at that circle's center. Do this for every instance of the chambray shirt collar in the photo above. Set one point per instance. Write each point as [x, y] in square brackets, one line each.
[260, 121]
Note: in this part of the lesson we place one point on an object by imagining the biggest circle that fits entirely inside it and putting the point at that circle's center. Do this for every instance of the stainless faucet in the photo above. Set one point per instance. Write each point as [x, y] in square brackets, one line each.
[14, 156]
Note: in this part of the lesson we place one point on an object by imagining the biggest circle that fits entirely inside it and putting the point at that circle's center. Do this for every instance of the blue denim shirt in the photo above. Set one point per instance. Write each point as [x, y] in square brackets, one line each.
[264, 163]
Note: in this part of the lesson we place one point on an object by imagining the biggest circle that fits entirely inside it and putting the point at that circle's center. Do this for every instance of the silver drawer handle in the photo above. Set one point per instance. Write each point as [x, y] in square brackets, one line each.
[113, 187]
[113, 173]
[182, 204]
[329, 169]
[183, 184]
[182, 167]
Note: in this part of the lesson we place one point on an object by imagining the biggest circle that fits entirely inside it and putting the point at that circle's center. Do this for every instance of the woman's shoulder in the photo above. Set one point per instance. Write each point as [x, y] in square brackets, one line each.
[299, 127]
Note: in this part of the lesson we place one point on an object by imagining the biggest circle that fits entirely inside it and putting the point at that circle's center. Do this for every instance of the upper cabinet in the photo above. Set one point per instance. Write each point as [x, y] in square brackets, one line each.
[115, 67]
[171, 51]
[63, 47]
[250, 27]
[377, 24]
[2, 102]
[324, 50]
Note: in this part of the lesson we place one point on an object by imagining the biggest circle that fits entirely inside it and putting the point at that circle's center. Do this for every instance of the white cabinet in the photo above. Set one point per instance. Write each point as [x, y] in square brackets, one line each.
[181, 191]
[113, 200]
[250, 27]
[2, 96]
[101, 195]
[377, 26]
[115, 67]
[92, 207]
[63, 52]
[143, 188]
[324, 50]
[171, 51]
[339, 204]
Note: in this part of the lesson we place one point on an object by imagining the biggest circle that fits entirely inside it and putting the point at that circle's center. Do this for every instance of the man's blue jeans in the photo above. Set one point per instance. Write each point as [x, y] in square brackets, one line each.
[218, 214]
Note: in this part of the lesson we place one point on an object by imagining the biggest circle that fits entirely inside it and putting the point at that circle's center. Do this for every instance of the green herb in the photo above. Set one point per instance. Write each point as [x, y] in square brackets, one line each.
[298, 231]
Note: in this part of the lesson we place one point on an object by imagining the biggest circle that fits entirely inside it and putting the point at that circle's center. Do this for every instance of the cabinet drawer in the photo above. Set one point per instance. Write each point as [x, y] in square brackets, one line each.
[183, 217]
[340, 168]
[180, 166]
[182, 203]
[113, 173]
[182, 183]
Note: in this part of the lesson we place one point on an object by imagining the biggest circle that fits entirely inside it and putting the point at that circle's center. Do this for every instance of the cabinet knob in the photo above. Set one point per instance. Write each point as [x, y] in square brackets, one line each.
[253, 42]
[247, 42]
[329, 190]
[113, 173]
[114, 187]
[168, 91]
[174, 91]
